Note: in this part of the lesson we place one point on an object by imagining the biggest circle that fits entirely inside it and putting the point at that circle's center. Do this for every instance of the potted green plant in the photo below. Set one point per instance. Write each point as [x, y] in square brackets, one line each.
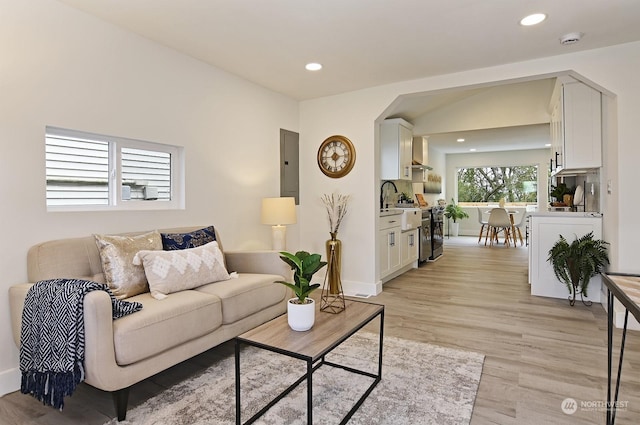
[562, 194]
[575, 263]
[301, 308]
[455, 212]
[405, 199]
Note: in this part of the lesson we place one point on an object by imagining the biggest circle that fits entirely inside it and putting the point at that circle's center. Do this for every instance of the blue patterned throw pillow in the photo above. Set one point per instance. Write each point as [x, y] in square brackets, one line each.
[173, 241]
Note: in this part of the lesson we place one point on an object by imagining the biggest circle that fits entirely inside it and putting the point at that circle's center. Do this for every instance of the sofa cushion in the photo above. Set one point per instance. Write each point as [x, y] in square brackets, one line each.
[124, 278]
[161, 325]
[178, 270]
[246, 295]
[193, 239]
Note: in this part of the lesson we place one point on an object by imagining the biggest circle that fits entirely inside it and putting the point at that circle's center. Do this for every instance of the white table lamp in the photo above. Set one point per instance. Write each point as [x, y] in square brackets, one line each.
[278, 212]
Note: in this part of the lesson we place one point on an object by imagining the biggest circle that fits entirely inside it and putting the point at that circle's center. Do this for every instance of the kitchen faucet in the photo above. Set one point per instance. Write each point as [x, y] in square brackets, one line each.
[381, 191]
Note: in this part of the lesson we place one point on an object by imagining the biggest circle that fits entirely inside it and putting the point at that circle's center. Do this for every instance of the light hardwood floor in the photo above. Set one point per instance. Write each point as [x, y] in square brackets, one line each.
[539, 351]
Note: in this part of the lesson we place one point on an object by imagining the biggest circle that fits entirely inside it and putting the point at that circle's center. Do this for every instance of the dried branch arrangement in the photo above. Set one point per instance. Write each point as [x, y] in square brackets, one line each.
[336, 206]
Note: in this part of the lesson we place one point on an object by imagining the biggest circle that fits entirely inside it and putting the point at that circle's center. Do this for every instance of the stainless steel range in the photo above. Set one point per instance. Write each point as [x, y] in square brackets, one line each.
[425, 235]
[437, 233]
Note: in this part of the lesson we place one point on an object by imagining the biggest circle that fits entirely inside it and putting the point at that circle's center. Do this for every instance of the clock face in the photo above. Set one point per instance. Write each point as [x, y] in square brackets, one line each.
[336, 156]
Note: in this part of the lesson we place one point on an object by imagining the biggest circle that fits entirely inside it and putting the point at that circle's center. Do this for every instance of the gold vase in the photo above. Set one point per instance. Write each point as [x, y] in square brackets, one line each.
[332, 299]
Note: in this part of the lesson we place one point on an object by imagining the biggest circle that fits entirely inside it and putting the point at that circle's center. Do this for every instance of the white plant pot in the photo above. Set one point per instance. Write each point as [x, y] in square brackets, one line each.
[455, 228]
[301, 317]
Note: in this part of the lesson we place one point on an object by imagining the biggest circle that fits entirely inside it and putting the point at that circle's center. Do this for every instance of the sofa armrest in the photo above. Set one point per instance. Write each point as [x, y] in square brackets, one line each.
[267, 262]
[101, 368]
[99, 349]
[100, 364]
[17, 296]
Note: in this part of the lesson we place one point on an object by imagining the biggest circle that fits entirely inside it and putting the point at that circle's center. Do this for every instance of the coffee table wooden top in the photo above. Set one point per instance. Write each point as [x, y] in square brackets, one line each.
[626, 288]
[328, 331]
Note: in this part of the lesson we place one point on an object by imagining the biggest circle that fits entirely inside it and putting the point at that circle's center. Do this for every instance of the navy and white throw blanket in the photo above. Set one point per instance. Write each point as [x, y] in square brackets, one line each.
[52, 337]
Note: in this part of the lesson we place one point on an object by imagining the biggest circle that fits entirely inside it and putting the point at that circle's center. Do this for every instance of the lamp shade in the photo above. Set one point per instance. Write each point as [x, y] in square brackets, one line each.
[277, 211]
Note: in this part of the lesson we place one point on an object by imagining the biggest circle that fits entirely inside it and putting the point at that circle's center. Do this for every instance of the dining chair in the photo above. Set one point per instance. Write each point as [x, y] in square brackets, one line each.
[522, 224]
[483, 223]
[499, 222]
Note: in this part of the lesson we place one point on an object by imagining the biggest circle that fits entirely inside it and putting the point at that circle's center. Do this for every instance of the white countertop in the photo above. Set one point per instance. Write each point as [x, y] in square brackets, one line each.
[396, 211]
[390, 211]
[572, 214]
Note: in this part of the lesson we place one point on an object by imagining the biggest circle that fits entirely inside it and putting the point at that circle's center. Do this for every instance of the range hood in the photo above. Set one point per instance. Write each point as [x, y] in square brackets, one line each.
[568, 172]
[421, 167]
[420, 153]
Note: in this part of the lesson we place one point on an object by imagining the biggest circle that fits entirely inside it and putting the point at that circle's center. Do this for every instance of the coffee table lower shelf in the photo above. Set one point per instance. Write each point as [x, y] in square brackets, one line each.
[313, 362]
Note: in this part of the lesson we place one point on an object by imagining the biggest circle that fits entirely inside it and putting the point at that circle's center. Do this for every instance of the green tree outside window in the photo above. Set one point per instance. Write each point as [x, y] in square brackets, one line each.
[490, 184]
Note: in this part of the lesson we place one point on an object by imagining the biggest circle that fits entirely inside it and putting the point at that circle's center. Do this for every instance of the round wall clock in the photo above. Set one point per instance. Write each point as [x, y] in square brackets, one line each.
[336, 156]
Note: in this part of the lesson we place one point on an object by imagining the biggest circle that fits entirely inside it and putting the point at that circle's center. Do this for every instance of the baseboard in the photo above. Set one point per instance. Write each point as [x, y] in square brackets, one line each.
[9, 381]
[361, 289]
[618, 310]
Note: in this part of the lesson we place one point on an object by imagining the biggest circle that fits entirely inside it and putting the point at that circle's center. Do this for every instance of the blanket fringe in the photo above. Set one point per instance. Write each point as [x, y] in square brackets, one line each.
[51, 387]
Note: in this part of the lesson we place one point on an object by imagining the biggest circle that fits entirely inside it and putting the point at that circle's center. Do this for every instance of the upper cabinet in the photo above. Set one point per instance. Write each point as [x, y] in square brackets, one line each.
[576, 127]
[396, 151]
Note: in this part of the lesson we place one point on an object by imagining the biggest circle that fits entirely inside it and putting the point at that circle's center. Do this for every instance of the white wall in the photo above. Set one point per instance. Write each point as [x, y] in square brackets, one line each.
[61, 67]
[354, 114]
[437, 160]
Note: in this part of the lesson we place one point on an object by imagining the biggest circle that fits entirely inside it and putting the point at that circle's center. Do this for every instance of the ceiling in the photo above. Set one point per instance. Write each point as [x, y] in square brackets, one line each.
[520, 137]
[498, 117]
[365, 43]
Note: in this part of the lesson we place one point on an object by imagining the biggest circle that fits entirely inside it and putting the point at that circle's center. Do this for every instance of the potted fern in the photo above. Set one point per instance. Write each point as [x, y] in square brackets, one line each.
[301, 309]
[455, 212]
[575, 263]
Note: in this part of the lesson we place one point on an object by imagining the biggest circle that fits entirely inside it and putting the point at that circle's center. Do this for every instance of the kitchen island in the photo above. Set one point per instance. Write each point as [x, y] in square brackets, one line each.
[545, 230]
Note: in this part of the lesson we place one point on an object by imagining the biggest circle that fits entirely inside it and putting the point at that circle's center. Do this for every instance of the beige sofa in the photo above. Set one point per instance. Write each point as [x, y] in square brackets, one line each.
[121, 352]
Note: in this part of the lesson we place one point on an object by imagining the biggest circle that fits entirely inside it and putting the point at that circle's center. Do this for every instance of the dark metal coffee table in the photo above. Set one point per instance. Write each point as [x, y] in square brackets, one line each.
[328, 332]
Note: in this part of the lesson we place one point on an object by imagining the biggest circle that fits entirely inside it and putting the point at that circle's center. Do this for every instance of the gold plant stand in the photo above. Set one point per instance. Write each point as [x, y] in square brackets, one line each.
[332, 298]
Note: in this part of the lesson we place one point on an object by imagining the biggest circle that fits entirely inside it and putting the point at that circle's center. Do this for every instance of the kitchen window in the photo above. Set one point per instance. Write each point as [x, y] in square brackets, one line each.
[516, 184]
[86, 171]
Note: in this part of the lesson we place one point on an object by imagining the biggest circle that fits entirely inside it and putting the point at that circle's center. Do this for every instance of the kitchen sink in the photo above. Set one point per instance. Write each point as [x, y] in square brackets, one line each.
[411, 218]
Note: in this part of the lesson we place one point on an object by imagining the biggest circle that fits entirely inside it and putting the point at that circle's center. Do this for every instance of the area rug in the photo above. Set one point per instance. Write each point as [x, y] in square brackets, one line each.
[421, 384]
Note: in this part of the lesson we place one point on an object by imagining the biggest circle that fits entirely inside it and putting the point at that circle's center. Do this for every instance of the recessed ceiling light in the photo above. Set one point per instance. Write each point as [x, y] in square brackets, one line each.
[313, 66]
[533, 19]
[547, 145]
[472, 150]
[460, 140]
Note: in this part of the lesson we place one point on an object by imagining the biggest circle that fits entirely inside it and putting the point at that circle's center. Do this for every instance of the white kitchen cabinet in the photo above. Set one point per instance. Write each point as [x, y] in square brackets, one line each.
[396, 149]
[409, 247]
[576, 127]
[398, 249]
[546, 229]
[389, 251]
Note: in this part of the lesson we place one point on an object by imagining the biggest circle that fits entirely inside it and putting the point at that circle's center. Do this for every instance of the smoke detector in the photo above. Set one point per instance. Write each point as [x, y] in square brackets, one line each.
[571, 38]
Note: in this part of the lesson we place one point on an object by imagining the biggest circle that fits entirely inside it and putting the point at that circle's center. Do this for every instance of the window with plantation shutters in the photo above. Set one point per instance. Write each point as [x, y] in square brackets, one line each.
[86, 171]
[77, 171]
[143, 169]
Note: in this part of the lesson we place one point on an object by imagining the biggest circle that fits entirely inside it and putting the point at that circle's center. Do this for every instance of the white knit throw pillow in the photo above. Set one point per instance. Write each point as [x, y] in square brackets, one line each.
[173, 271]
